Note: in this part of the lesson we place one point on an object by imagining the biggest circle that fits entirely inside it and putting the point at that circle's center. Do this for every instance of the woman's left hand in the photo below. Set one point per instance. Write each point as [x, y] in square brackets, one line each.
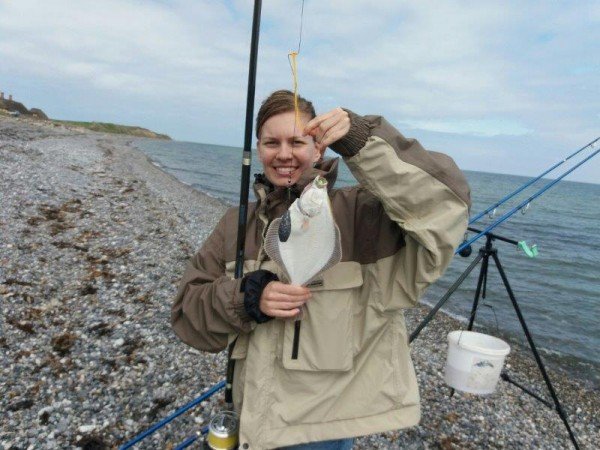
[328, 128]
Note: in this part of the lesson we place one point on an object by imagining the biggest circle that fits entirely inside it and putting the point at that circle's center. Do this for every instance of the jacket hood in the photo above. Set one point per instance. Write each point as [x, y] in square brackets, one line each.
[274, 200]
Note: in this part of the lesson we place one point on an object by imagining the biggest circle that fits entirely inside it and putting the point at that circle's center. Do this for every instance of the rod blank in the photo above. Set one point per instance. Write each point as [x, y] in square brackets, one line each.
[530, 182]
[524, 203]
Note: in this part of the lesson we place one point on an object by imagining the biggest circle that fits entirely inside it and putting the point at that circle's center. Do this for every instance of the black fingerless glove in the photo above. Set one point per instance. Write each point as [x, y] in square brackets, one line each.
[252, 286]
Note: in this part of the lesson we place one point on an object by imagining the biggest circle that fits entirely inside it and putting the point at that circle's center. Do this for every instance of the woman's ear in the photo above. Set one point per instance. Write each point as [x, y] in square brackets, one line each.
[319, 152]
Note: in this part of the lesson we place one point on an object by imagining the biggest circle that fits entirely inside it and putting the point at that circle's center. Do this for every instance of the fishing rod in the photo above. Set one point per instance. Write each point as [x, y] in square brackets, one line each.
[486, 231]
[241, 237]
[242, 221]
[217, 387]
[245, 182]
[530, 182]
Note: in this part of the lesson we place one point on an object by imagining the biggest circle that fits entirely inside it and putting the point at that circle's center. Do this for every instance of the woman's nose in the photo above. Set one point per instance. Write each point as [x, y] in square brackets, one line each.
[285, 151]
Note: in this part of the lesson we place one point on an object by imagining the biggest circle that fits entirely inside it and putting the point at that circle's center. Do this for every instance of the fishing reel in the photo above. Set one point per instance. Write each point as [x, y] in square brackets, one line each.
[465, 252]
[223, 432]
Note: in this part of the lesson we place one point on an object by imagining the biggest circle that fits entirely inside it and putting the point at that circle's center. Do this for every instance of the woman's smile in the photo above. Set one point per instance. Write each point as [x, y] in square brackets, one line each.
[284, 152]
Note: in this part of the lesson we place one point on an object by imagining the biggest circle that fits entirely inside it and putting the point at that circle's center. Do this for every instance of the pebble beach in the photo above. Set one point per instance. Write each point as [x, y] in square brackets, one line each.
[94, 241]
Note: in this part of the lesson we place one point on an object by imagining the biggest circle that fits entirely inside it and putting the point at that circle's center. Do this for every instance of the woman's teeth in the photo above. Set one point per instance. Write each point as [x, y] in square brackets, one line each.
[284, 170]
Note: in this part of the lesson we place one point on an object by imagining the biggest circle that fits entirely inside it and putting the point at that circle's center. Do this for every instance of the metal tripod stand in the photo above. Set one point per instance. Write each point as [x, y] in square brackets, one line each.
[485, 253]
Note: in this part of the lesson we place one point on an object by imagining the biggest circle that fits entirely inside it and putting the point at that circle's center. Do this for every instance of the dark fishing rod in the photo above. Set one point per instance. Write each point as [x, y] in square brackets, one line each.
[530, 182]
[245, 182]
[522, 205]
[242, 219]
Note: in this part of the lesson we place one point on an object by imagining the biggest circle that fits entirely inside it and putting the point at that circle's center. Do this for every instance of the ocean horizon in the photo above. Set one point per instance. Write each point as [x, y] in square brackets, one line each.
[558, 291]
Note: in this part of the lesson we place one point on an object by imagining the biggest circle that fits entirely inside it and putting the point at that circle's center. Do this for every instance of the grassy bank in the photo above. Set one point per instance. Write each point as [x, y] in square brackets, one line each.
[114, 128]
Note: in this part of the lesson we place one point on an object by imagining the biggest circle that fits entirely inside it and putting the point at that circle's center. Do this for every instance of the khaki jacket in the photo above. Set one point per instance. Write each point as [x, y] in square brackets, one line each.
[353, 374]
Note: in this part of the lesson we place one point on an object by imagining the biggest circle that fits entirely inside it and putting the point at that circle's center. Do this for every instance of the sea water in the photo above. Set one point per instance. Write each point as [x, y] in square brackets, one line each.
[559, 291]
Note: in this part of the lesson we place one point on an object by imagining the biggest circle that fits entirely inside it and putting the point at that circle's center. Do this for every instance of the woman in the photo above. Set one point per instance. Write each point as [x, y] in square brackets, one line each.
[352, 374]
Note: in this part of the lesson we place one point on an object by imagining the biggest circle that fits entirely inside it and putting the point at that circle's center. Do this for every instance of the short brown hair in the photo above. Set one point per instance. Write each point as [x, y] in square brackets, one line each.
[279, 102]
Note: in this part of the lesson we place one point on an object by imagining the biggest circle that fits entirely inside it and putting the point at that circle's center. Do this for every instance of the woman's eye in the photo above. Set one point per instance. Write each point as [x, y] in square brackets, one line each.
[298, 143]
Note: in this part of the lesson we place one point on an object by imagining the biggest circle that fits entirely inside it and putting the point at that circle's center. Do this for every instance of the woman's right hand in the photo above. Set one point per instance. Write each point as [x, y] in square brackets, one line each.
[328, 128]
[283, 300]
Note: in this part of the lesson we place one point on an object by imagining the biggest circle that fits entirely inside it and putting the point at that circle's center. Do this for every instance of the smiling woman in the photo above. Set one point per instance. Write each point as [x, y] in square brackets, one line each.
[309, 383]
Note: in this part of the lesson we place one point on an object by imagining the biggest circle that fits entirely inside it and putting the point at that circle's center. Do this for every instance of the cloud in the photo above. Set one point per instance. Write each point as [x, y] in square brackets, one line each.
[483, 127]
[466, 68]
[149, 50]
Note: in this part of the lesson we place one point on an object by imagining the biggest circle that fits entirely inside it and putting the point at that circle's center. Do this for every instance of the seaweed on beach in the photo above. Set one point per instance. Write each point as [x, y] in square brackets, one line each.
[101, 328]
[92, 442]
[116, 252]
[22, 325]
[14, 281]
[63, 342]
[88, 289]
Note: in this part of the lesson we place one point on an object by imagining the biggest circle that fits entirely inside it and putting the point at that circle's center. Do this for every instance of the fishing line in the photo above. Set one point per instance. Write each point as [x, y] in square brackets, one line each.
[293, 61]
[292, 58]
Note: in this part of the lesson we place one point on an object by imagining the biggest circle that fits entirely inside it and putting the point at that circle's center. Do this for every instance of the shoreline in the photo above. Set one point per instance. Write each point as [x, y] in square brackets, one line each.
[97, 237]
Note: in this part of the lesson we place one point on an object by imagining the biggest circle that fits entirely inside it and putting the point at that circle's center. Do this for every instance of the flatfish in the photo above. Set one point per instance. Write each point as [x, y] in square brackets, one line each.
[305, 241]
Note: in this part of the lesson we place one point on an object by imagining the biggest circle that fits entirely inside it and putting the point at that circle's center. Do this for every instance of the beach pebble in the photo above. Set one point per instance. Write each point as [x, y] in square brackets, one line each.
[86, 428]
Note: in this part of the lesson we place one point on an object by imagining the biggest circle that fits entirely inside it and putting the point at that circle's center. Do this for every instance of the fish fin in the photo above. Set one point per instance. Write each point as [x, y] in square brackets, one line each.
[271, 244]
[336, 255]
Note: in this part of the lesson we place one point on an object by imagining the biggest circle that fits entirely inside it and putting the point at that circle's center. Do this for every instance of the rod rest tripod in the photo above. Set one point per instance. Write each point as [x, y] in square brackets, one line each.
[485, 253]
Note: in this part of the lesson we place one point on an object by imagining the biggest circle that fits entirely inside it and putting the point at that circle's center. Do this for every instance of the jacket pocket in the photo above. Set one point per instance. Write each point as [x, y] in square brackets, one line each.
[325, 339]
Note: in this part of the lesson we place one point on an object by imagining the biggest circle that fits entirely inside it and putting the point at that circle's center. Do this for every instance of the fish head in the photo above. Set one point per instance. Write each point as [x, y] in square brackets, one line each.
[313, 197]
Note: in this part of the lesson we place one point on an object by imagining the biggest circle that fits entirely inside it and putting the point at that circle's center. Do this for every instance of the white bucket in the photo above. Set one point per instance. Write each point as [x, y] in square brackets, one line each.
[474, 361]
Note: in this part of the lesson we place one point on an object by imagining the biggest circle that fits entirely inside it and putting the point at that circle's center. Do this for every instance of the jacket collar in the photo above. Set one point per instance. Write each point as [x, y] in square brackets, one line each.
[273, 201]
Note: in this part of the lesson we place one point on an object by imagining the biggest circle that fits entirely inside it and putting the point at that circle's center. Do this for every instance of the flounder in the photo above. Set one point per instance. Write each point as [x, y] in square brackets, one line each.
[305, 241]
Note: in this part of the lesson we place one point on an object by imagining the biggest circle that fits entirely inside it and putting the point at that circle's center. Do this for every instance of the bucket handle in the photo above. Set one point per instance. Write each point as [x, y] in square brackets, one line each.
[489, 305]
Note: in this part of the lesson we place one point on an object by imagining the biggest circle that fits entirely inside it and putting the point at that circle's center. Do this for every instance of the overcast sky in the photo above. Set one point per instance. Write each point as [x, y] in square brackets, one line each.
[503, 86]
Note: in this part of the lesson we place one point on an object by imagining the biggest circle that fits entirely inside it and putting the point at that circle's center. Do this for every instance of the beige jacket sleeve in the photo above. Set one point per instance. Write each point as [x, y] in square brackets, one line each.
[209, 305]
[423, 192]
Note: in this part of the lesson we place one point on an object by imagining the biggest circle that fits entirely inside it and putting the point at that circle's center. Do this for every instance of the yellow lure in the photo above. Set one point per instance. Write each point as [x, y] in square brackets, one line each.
[292, 56]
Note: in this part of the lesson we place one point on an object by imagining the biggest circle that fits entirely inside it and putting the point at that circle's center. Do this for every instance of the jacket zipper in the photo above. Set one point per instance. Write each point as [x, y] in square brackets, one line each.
[296, 342]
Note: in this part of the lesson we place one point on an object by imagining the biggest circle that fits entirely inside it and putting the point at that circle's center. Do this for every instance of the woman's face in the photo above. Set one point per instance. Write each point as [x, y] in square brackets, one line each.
[283, 151]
